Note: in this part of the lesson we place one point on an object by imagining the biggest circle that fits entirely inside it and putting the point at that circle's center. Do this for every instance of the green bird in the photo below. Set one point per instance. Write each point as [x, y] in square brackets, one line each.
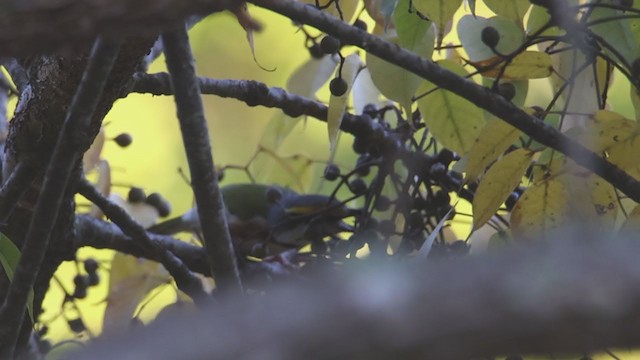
[260, 214]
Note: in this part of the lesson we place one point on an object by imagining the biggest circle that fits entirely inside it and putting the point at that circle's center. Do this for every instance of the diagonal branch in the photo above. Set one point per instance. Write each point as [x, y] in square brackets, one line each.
[65, 158]
[185, 279]
[195, 136]
[479, 95]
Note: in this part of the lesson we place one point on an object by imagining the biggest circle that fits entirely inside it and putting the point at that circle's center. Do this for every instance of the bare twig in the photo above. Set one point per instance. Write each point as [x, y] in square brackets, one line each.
[185, 279]
[65, 157]
[445, 79]
[195, 136]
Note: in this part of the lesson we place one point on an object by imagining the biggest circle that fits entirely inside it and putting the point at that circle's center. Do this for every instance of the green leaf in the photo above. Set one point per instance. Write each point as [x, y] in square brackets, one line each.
[413, 34]
[428, 242]
[470, 30]
[539, 17]
[452, 120]
[438, 11]
[512, 9]
[338, 104]
[9, 258]
[494, 139]
[498, 183]
[623, 35]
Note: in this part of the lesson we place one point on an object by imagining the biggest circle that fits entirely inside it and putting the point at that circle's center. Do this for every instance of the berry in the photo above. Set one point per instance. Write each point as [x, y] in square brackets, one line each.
[157, 201]
[383, 203]
[79, 293]
[316, 51]
[76, 325]
[507, 90]
[438, 169]
[446, 156]
[490, 36]
[442, 198]
[123, 140]
[415, 220]
[371, 110]
[136, 195]
[90, 266]
[331, 172]
[358, 186]
[330, 44]
[362, 169]
[338, 86]
[360, 145]
[94, 279]
[360, 25]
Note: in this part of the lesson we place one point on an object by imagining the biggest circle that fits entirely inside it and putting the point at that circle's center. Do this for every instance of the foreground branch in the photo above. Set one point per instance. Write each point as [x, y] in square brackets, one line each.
[572, 297]
[65, 157]
[204, 180]
[26, 25]
[481, 96]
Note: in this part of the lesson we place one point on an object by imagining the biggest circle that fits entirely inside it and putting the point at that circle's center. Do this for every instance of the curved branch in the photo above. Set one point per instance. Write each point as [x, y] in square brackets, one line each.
[479, 95]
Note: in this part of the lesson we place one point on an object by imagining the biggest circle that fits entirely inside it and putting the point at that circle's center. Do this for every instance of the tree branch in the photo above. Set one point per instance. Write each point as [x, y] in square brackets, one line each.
[569, 297]
[25, 25]
[445, 79]
[195, 137]
[185, 279]
[65, 157]
[14, 187]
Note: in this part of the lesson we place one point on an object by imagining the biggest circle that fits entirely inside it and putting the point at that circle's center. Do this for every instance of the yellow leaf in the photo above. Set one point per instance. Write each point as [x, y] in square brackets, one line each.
[343, 9]
[606, 130]
[494, 139]
[630, 229]
[513, 9]
[540, 211]
[452, 120]
[592, 202]
[338, 104]
[130, 280]
[526, 65]
[498, 183]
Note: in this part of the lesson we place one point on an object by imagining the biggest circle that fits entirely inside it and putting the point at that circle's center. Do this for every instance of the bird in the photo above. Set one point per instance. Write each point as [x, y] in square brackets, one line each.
[260, 215]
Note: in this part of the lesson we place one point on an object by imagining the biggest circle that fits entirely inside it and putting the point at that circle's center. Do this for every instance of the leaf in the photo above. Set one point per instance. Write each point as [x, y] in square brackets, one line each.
[307, 79]
[130, 280]
[295, 171]
[470, 30]
[472, 6]
[498, 183]
[635, 100]
[540, 211]
[364, 92]
[592, 202]
[9, 258]
[413, 34]
[338, 104]
[440, 12]
[91, 157]
[343, 9]
[630, 228]
[605, 130]
[526, 65]
[428, 242]
[380, 11]
[452, 120]
[622, 35]
[277, 130]
[512, 9]
[539, 17]
[494, 139]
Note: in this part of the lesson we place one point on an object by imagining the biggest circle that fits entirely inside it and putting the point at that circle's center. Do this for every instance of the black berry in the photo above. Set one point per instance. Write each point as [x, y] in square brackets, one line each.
[90, 265]
[331, 172]
[136, 195]
[316, 51]
[157, 201]
[490, 36]
[358, 186]
[507, 90]
[76, 325]
[330, 44]
[338, 86]
[123, 140]
[360, 25]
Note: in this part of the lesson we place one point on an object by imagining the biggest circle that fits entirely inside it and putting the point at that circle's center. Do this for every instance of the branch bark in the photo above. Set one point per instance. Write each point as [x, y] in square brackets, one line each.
[26, 25]
[571, 297]
[479, 95]
[195, 137]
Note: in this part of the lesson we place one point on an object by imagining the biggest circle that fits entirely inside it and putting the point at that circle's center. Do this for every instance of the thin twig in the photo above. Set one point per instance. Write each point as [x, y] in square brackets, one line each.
[195, 135]
[185, 279]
